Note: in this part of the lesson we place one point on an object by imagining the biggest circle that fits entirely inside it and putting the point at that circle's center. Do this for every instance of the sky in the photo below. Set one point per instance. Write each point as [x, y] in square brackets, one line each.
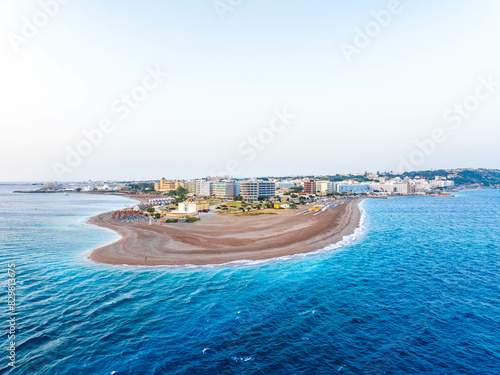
[139, 90]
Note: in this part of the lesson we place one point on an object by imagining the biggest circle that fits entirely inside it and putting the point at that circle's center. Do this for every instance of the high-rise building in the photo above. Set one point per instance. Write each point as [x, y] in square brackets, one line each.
[226, 189]
[205, 188]
[310, 186]
[324, 187]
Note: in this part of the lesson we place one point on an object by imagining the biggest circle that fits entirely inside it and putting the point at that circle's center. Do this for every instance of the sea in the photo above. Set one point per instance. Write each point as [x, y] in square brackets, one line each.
[416, 290]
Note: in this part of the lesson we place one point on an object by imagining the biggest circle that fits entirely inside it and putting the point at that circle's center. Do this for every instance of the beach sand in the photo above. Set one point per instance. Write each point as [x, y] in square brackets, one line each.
[217, 239]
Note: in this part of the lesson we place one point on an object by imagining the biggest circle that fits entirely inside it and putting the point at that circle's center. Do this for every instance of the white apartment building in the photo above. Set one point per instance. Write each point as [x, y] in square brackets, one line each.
[350, 188]
[391, 188]
[205, 188]
[445, 184]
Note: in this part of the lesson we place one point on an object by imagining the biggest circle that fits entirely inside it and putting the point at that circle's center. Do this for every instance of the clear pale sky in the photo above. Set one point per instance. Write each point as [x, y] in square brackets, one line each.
[229, 71]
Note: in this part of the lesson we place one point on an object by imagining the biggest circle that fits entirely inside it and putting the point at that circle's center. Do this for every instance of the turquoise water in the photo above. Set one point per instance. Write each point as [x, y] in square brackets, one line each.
[417, 291]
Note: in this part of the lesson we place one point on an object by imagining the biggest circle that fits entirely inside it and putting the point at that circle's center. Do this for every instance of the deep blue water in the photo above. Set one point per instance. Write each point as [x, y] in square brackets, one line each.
[418, 291]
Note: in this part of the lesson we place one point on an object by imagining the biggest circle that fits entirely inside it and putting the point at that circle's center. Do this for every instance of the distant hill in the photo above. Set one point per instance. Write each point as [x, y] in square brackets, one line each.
[464, 176]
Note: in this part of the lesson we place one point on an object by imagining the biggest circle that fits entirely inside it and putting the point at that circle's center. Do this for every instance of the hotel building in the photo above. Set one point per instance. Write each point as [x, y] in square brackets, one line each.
[227, 189]
[324, 187]
[252, 191]
[166, 185]
[205, 188]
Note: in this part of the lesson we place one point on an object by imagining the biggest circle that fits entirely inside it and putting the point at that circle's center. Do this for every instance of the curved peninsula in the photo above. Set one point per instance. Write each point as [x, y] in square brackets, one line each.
[217, 239]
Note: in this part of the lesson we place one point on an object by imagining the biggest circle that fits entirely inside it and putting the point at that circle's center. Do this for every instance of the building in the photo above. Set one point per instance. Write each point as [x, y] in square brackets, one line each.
[161, 200]
[191, 206]
[349, 188]
[205, 189]
[51, 186]
[445, 184]
[285, 184]
[227, 189]
[279, 205]
[252, 190]
[324, 187]
[191, 186]
[167, 185]
[392, 188]
[267, 189]
[310, 186]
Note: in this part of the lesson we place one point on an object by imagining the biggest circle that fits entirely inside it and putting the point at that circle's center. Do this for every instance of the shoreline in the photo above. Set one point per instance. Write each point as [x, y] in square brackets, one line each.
[220, 239]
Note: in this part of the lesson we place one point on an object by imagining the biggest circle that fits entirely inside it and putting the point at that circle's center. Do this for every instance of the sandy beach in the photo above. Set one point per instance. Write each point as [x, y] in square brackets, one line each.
[217, 239]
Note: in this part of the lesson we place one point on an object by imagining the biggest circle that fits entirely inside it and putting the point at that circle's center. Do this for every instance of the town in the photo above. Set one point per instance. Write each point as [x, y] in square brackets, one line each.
[173, 201]
[183, 200]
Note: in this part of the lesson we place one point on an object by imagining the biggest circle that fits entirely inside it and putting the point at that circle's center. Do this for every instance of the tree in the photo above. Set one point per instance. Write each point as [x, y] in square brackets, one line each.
[151, 210]
[181, 191]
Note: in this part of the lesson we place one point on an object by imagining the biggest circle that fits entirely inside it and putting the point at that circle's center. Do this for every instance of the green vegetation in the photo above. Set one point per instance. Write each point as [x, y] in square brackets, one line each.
[144, 187]
[237, 206]
[181, 191]
[257, 213]
[188, 219]
[296, 189]
[150, 210]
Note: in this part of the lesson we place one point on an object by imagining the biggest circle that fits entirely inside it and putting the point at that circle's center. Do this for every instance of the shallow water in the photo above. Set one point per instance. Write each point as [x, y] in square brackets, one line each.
[417, 291]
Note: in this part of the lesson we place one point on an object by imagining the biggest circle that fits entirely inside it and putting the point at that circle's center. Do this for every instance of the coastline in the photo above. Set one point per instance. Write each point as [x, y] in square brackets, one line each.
[219, 239]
